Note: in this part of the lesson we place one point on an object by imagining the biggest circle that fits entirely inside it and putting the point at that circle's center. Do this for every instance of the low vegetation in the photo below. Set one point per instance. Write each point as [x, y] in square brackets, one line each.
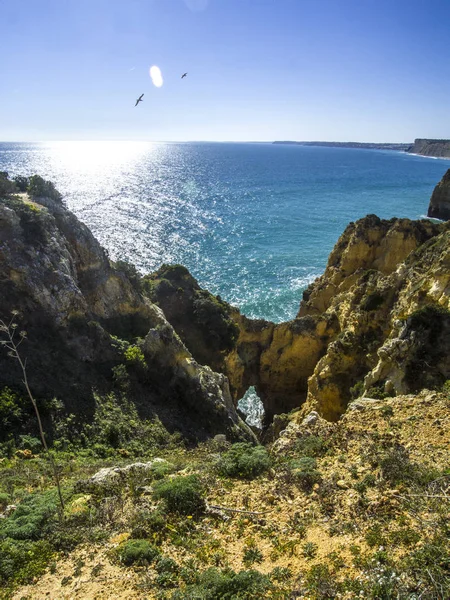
[355, 509]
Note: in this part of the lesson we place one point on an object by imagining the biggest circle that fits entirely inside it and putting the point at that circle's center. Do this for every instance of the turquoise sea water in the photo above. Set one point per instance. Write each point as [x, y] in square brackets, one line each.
[252, 222]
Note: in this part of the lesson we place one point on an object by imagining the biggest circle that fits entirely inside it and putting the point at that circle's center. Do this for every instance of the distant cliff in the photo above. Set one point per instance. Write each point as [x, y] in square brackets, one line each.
[439, 207]
[364, 145]
[425, 147]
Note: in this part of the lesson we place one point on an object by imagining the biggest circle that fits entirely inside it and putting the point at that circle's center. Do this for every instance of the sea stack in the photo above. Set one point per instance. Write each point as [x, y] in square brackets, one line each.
[439, 207]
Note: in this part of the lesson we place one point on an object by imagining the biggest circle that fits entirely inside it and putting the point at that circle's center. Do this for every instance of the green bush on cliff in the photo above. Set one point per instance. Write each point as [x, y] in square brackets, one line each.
[182, 495]
[23, 561]
[227, 585]
[32, 518]
[11, 411]
[134, 355]
[40, 188]
[310, 445]
[115, 427]
[212, 317]
[136, 552]
[244, 461]
[304, 472]
[21, 182]
[7, 186]
[131, 272]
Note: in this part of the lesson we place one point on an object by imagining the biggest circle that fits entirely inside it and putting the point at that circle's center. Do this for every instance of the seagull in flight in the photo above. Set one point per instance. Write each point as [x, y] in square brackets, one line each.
[183, 76]
[139, 100]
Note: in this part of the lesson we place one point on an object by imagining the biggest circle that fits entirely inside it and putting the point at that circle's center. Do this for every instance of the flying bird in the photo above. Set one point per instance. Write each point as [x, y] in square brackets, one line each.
[184, 75]
[139, 100]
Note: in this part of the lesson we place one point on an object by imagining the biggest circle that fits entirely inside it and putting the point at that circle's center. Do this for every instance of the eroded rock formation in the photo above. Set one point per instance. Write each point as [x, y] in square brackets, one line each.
[376, 322]
[439, 207]
[276, 359]
[73, 302]
[353, 325]
[388, 284]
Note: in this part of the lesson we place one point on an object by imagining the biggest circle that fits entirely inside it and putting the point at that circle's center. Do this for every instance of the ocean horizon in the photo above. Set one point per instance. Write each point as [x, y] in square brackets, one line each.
[252, 221]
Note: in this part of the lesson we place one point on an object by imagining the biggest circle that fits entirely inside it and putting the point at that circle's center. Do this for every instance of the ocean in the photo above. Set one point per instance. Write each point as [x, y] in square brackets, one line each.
[252, 222]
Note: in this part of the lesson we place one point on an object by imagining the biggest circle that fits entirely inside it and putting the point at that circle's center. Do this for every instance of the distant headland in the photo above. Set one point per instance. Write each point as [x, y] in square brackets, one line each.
[422, 146]
[426, 147]
[366, 145]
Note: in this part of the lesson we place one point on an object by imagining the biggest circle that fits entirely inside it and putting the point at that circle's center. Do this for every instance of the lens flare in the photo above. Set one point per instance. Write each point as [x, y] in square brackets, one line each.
[156, 75]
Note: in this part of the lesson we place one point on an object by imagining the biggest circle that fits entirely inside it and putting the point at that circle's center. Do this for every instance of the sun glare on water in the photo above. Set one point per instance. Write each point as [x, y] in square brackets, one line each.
[156, 75]
[94, 156]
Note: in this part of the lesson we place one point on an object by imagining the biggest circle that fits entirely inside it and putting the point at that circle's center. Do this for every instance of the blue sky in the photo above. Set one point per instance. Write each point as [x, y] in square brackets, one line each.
[258, 70]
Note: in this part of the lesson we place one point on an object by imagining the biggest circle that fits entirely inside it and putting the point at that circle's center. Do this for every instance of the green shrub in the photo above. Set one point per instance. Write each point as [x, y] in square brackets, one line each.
[304, 472]
[131, 272]
[405, 536]
[23, 561]
[11, 408]
[117, 424]
[28, 442]
[396, 466]
[321, 583]
[7, 187]
[309, 549]
[40, 188]
[32, 517]
[148, 524]
[446, 388]
[165, 564]
[4, 500]
[281, 574]
[182, 495]
[375, 536]
[368, 481]
[21, 182]
[136, 552]
[134, 355]
[357, 390]
[251, 556]
[429, 566]
[244, 461]
[311, 445]
[377, 392]
[226, 585]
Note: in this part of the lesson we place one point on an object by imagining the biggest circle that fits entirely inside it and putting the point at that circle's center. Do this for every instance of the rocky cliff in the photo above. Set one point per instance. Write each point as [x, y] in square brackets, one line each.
[80, 312]
[426, 147]
[439, 207]
[366, 326]
[388, 285]
[376, 323]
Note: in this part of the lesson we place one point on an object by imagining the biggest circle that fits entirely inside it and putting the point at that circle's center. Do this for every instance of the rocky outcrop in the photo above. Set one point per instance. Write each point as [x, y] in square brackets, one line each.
[439, 207]
[359, 329]
[388, 285]
[75, 304]
[376, 323]
[276, 359]
[427, 147]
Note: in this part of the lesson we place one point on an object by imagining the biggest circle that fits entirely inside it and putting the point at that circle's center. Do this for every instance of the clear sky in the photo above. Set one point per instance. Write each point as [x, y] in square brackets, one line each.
[258, 70]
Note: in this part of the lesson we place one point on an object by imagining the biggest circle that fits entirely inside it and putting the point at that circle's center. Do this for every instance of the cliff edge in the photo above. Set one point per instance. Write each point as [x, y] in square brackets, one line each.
[439, 207]
[427, 147]
[386, 288]
[90, 331]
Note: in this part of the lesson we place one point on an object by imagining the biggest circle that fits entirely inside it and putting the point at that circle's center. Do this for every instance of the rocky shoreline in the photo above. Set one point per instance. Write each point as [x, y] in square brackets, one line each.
[369, 321]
